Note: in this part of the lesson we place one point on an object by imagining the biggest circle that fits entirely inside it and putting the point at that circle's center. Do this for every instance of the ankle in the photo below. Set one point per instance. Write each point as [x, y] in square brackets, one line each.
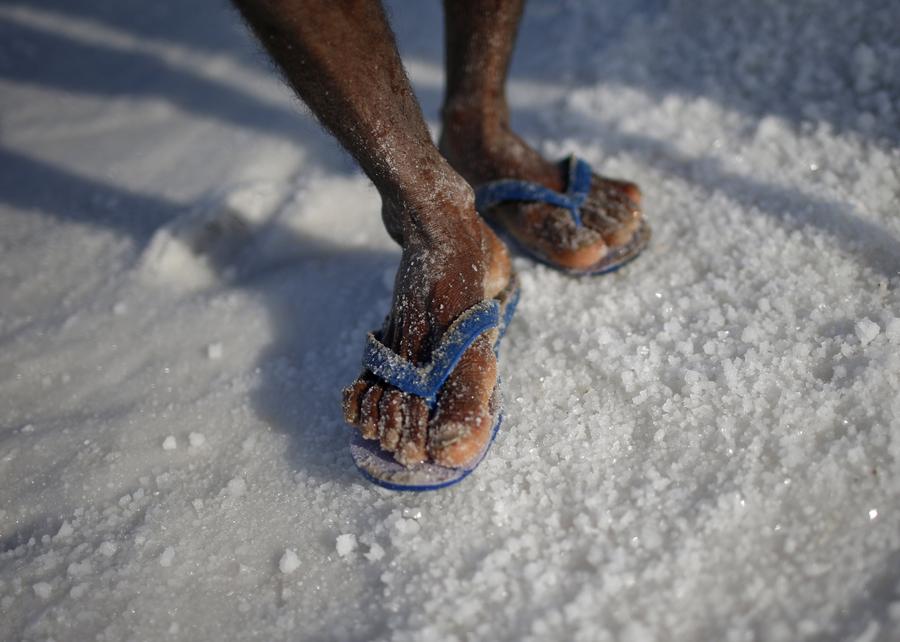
[474, 120]
[433, 217]
[482, 147]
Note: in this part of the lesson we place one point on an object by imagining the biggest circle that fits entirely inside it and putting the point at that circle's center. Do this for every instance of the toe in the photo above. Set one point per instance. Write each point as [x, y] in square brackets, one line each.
[630, 190]
[579, 257]
[368, 411]
[550, 232]
[351, 400]
[390, 418]
[625, 191]
[613, 210]
[412, 448]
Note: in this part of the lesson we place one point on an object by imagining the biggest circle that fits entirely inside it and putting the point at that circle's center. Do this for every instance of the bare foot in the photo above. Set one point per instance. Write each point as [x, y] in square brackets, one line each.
[483, 152]
[446, 267]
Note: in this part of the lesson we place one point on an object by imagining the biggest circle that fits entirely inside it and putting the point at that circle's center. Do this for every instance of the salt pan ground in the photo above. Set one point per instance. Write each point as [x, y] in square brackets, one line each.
[703, 446]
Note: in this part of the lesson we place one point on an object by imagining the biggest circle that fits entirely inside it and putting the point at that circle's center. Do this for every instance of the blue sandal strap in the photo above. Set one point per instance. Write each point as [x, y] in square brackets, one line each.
[507, 189]
[426, 381]
[577, 190]
[580, 176]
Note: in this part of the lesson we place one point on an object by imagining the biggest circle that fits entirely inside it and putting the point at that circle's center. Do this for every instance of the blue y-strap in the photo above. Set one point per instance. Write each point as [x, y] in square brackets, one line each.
[426, 381]
[577, 190]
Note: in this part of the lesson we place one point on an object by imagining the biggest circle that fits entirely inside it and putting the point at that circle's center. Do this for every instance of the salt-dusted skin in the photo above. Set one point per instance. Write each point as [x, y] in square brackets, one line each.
[477, 139]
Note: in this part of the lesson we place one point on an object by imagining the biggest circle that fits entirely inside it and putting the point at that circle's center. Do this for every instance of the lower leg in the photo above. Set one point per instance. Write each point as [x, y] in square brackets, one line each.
[340, 58]
[478, 141]
[476, 136]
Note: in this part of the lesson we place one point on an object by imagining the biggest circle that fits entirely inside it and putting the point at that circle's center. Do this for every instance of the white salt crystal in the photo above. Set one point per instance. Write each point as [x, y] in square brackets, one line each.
[79, 569]
[108, 549]
[406, 526]
[196, 439]
[167, 556]
[346, 544]
[169, 443]
[289, 562]
[237, 486]
[65, 530]
[412, 513]
[375, 552]
[866, 330]
[893, 330]
[214, 351]
[42, 590]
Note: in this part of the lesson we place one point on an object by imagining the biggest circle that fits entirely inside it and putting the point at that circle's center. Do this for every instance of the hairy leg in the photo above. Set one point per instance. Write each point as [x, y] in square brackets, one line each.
[478, 141]
[341, 59]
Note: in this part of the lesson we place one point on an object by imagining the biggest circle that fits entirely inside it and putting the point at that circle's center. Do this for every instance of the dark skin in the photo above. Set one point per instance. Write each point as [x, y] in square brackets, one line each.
[341, 59]
[481, 146]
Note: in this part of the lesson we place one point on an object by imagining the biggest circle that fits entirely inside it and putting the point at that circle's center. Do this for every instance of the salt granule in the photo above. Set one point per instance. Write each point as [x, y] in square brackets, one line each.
[236, 486]
[169, 443]
[375, 553]
[866, 330]
[289, 562]
[196, 439]
[65, 530]
[345, 544]
[893, 330]
[214, 351]
[167, 556]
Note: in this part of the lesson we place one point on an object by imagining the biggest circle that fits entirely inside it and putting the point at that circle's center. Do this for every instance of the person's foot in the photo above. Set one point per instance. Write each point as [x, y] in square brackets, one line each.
[448, 264]
[482, 152]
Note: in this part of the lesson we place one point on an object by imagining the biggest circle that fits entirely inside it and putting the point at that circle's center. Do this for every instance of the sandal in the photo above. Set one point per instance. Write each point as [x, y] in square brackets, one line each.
[379, 466]
[489, 195]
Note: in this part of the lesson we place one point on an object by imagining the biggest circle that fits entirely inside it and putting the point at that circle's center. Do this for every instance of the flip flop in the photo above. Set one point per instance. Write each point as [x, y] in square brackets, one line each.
[578, 188]
[379, 466]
